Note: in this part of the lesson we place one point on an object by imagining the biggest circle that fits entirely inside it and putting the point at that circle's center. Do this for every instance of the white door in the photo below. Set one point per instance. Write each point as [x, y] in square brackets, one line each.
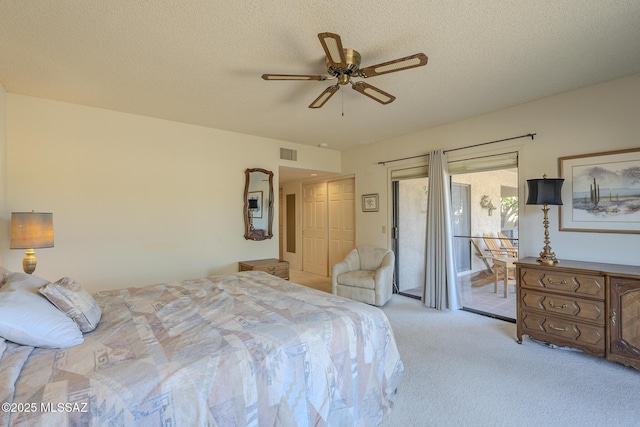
[342, 219]
[314, 228]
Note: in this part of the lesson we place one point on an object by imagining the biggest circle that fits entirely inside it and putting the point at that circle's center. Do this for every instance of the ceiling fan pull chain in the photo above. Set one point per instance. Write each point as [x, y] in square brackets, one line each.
[342, 94]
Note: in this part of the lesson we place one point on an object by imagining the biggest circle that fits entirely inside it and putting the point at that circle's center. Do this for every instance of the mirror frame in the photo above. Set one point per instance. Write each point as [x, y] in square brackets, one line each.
[250, 234]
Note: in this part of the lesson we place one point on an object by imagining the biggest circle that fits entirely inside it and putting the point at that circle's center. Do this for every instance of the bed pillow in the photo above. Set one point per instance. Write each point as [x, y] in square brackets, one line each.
[75, 302]
[27, 318]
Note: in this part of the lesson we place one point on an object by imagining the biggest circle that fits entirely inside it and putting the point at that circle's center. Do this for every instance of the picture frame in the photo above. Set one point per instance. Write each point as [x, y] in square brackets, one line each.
[257, 213]
[370, 202]
[601, 192]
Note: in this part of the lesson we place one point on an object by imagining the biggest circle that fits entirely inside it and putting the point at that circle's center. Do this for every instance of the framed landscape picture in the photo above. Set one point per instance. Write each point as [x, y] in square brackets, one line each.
[601, 192]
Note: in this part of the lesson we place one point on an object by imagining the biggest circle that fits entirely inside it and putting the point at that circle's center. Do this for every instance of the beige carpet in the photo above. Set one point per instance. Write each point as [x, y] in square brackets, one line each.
[463, 369]
[312, 280]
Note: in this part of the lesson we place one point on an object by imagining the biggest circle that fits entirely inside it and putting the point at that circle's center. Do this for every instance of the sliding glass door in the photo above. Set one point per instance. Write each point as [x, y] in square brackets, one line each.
[484, 197]
[491, 189]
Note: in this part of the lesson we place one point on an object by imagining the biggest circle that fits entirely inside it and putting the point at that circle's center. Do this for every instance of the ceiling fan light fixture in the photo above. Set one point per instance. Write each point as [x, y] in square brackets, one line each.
[344, 64]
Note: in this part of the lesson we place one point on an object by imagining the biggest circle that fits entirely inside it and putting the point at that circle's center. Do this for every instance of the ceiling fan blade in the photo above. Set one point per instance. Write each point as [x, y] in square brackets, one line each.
[417, 60]
[293, 77]
[324, 96]
[373, 92]
[332, 46]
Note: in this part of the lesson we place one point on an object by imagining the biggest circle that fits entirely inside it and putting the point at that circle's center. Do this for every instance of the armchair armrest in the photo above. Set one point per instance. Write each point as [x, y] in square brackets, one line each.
[384, 279]
[350, 263]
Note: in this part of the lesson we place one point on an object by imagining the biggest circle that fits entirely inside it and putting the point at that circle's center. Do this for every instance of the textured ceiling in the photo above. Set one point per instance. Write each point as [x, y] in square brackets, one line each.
[200, 62]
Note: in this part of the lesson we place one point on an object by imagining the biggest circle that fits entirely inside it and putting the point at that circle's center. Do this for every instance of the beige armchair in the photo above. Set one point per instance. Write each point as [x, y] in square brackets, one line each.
[365, 275]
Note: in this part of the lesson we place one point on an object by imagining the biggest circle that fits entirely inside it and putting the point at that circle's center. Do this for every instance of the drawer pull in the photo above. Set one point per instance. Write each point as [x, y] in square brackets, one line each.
[562, 282]
[553, 305]
[565, 329]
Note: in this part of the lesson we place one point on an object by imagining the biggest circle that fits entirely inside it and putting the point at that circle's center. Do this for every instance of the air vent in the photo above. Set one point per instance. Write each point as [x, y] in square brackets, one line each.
[287, 154]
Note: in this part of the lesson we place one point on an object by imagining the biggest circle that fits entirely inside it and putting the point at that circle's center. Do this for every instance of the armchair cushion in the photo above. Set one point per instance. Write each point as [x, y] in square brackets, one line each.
[358, 278]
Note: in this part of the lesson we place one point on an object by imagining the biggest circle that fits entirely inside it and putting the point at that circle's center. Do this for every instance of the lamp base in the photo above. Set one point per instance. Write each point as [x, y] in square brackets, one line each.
[548, 258]
[29, 262]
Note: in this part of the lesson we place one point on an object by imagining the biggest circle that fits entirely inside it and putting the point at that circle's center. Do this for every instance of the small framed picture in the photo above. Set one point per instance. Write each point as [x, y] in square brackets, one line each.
[370, 202]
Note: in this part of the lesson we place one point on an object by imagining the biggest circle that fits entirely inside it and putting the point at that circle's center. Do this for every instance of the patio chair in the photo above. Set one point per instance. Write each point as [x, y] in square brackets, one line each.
[493, 246]
[506, 243]
[486, 276]
[496, 265]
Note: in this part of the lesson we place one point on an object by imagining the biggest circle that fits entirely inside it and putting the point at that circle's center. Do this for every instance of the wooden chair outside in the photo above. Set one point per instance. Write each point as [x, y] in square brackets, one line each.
[506, 243]
[493, 246]
[496, 265]
[486, 276]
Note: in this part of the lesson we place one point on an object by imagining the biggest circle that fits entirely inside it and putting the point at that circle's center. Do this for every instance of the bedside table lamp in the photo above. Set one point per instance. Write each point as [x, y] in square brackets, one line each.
[31, 230]
[545, 192]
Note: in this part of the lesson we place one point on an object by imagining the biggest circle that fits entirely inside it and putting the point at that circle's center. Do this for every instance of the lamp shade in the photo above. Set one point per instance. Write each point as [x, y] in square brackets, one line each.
[31, 230]
[545, 191]
[253, 203]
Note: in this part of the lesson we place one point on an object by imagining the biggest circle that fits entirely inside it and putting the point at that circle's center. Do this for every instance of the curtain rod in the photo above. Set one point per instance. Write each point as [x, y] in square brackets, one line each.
[528, 135]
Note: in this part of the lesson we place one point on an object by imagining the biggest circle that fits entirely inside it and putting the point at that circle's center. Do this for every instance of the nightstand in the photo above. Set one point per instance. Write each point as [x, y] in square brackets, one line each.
[272, 266]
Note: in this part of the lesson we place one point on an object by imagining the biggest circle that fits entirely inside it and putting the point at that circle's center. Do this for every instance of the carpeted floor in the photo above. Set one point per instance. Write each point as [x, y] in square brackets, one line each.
[462, 369]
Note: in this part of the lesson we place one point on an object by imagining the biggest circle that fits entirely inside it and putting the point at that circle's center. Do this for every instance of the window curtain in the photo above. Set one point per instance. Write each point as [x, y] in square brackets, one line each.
[441, 288]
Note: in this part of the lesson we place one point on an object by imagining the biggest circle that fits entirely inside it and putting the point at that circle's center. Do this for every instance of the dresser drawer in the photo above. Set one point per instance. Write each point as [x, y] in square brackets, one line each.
[557, 304]
[272, 266]
[564, 332]
[579, 284]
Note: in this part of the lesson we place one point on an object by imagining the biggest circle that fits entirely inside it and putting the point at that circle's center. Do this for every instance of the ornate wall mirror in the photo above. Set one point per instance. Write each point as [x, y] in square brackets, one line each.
[258, 204]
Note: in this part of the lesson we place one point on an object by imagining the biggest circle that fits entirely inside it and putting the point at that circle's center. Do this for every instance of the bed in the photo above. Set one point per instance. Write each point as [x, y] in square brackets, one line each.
[230, 350]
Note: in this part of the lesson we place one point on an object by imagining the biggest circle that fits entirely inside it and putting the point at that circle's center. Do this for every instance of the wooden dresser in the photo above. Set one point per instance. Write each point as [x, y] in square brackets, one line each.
[272, 266]
[589, 306]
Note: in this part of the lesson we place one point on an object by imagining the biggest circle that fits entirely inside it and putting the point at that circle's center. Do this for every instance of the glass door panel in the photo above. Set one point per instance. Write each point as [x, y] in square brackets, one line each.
[410, 226]
[492, 208]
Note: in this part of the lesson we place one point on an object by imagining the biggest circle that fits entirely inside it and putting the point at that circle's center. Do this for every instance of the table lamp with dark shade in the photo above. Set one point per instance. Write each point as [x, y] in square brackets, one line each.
[545, 192]
[31, 230]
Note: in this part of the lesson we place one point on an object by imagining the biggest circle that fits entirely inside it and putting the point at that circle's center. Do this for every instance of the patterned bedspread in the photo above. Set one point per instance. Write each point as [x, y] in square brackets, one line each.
[233, 350]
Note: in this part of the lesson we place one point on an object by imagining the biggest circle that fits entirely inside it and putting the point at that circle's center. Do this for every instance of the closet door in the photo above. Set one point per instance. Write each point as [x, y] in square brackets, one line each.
[342, 219]
[314, 228]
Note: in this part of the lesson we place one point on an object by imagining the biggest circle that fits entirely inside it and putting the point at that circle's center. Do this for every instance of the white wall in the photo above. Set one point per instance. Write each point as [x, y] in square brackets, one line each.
[135, 200]
[597, 118]
[4, 224]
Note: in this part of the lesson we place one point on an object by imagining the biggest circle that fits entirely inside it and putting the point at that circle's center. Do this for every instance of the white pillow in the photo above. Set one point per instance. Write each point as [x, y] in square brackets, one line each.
[75, 302]
[27, 318]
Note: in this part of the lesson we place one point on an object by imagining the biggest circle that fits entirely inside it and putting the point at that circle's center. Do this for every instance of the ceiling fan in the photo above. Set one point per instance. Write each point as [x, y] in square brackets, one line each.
[343, 64]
